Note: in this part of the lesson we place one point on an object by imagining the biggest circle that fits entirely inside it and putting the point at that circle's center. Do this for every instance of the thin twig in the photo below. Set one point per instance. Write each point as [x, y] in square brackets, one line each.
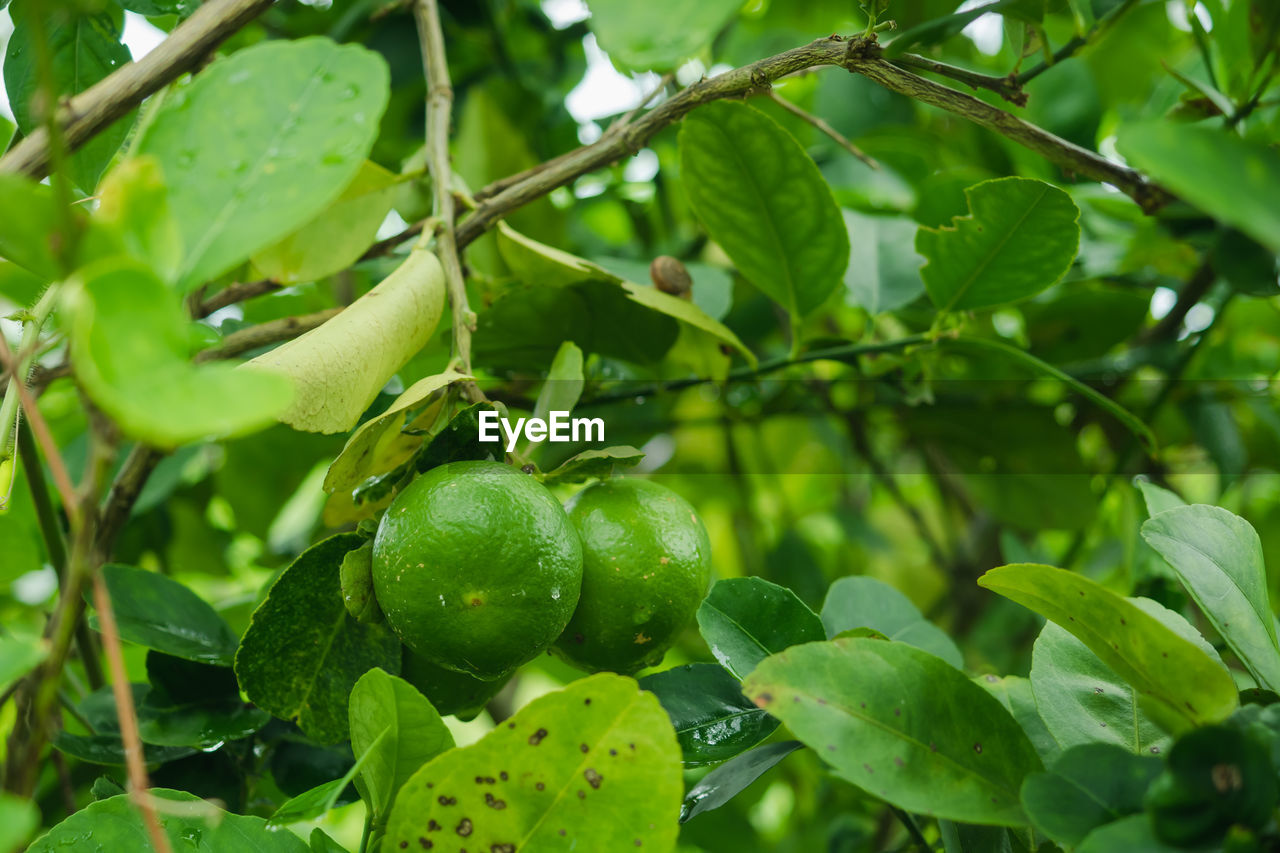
[61, 479]
[1075, 45]
[265, 334]
[94, 109]
[857, 55]
[1007, 87]
[839, 138]
[233, 293]
[133, 756]
[435, 67]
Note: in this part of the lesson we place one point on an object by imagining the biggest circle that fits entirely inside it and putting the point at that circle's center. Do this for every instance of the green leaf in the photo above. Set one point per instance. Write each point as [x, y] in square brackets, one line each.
[524, 328]
[357, 460]
[29, 215]
[322, 843]
[133, 202]
[865, 602]
[712, 285]
[303, 652]
[194, 704]
[563, 386]
[764, 201]
[158, 612]
[356, 577]
[394, 731]
[306, 115]
[1019, 237]
[1124, 836]
[1179, 683]
[337, 237]
[884, 269]
[83, 49]
[311, 804]
[902, 725]
[18, 819]
[689, 314]
[660, 35]
[18, 656]
[594, 766]
[712, 719]
[1087, 787]
[105, 745]
[1158, 499]
[591, 464]
[733, 777]
[129, 345]
[744, 620]
[1216, 777]
[116, 824]
[1017, 697]
[939, 29]
[386, 326]
[1227, 177]
[1083, 701]
[1218, 557]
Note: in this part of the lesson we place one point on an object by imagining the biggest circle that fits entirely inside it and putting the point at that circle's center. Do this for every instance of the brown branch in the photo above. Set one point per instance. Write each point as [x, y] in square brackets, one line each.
[822, 126]
[265, 334]
[231, 294]
[128, 717]
[61, 479]
[1009, 88]
[88, 113]
[435, 68]
[857, 55]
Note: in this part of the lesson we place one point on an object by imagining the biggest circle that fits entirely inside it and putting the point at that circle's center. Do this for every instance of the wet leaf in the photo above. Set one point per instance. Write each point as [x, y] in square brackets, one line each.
[304, 652]
[240, 179]
[744, 620]
[116, 824]
[1218, 557]
[902, 725]
[1178, 682]
[594, 766]
[733, 777]
[762, 198]
[158, 612]
[865, 602]
[311, 804]
[712, 719]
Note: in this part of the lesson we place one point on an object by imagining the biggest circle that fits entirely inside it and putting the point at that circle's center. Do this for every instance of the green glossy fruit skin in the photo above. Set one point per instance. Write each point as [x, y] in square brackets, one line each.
[646, 568]
[455, 693]
[476, 567]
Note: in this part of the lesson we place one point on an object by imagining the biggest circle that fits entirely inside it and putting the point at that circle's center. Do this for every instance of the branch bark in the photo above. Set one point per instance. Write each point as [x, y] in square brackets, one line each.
[857, 55]
[98, 106]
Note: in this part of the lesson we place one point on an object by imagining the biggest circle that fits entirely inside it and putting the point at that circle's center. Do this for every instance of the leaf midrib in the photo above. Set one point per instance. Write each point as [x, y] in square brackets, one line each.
[999, 247]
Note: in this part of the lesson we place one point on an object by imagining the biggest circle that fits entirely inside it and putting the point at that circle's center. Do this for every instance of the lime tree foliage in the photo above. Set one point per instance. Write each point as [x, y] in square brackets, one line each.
[934, 349]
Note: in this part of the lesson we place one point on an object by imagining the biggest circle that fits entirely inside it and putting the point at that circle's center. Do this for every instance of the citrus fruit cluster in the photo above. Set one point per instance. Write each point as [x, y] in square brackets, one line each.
[479, 569]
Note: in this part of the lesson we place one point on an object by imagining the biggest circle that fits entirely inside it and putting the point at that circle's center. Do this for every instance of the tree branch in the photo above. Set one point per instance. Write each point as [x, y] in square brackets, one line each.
[265, 334]
[1008, 87]
[435, 67]
[94, 109]
[231, 294]
[857, 55]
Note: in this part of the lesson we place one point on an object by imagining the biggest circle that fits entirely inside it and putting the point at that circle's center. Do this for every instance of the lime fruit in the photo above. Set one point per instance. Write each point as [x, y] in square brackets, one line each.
[476, 567]
[646, 567]
[450, 692]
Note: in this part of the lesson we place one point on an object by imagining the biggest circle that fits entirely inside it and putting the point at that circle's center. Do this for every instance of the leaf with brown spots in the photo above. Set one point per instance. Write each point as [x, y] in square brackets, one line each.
[538, 789]
[1177, 682]
[903, 725]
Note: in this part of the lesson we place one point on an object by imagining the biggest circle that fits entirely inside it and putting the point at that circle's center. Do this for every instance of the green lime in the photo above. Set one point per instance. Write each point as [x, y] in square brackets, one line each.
[646, 563]
[450, 692]
[476, 567]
